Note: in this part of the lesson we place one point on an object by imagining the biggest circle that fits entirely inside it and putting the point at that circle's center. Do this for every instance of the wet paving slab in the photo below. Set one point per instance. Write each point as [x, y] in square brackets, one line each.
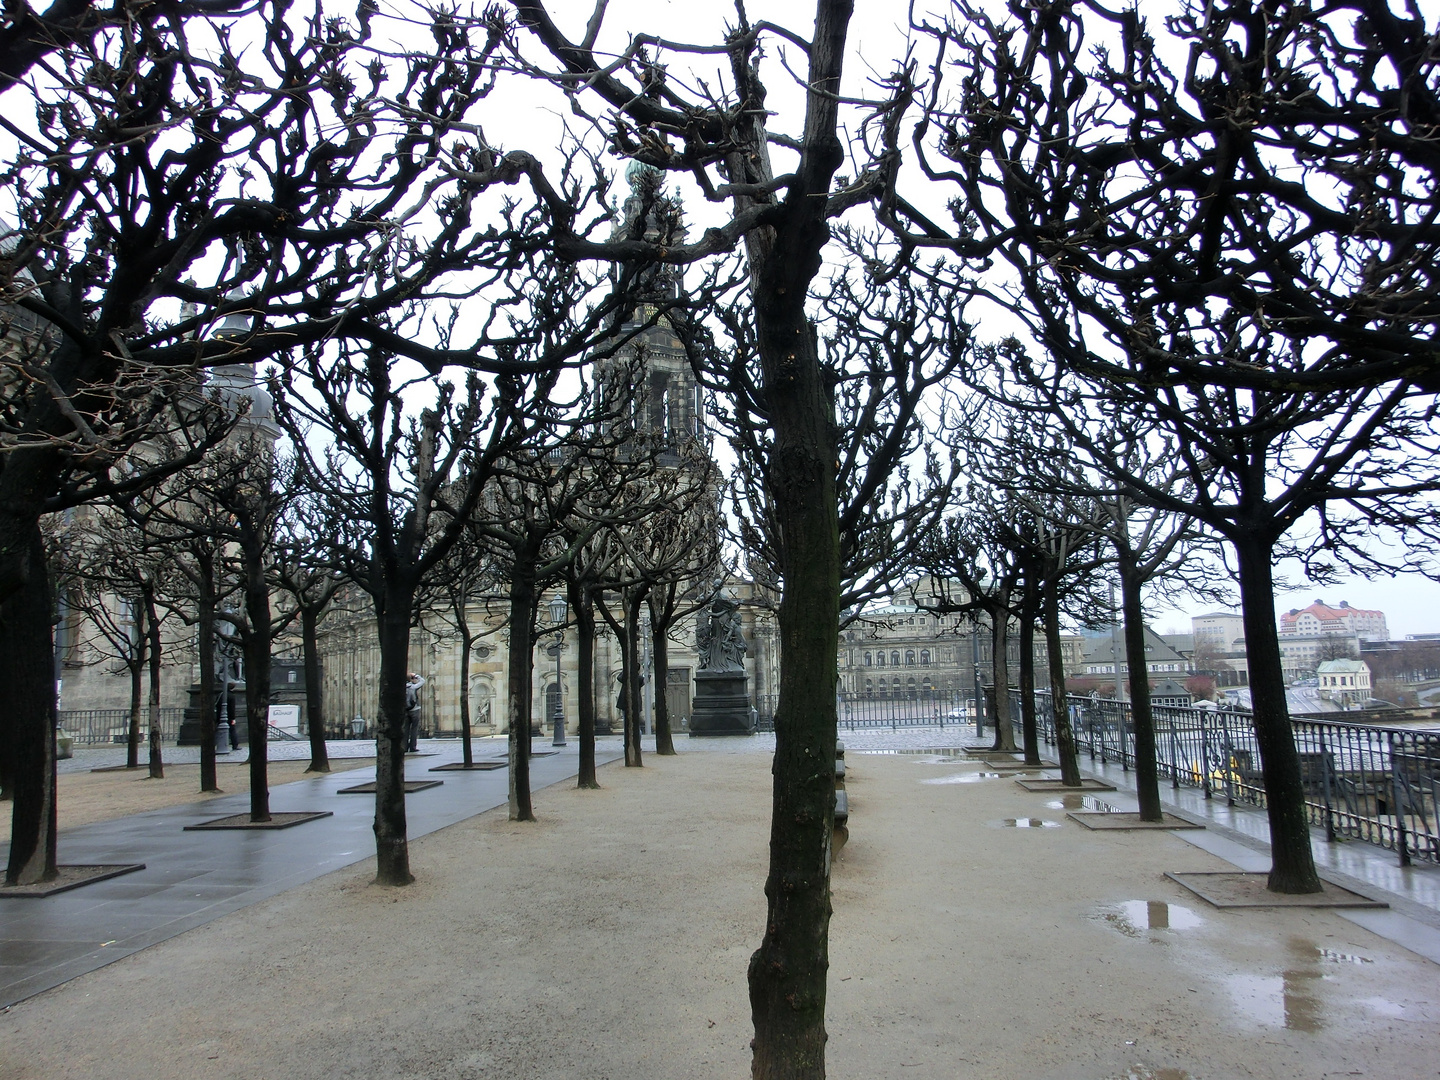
[1025, 823]
[191, 878]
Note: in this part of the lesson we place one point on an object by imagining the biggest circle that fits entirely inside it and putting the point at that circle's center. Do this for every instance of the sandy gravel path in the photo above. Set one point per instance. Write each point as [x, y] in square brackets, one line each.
[86, 797]
[610, 939]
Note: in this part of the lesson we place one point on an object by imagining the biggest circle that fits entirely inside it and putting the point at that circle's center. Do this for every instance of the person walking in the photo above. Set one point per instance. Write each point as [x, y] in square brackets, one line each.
[412, 712]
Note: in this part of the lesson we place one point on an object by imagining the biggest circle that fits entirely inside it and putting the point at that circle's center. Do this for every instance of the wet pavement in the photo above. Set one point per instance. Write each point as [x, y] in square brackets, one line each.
[194, 877]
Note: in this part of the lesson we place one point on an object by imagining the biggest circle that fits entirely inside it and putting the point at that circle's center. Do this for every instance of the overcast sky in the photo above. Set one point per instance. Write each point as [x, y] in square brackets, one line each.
[877, 37]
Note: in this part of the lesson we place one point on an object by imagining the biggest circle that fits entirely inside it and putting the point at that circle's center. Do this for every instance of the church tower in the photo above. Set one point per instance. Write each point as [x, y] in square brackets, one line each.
[669, 403]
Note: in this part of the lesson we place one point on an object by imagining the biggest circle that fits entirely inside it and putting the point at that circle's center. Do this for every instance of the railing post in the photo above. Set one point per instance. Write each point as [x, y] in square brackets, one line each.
[1205, 757]
[1174, 759]
[1326, 769]
[1396, 802]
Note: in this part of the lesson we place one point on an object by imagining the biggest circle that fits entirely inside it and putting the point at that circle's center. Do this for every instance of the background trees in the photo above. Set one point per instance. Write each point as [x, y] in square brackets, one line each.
[1184, 246]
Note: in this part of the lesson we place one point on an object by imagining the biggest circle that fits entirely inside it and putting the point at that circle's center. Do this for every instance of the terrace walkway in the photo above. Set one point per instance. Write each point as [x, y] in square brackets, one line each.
[192, 878]
[978, 932]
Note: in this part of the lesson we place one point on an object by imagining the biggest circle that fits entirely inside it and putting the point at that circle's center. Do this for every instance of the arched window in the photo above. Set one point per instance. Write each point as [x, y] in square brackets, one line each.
[910, 657]
[895, 688]
[895, 659]
[869, 687]
[880, 659]
[925, 688]
[867, 659]
[910, 691]
[884, 689]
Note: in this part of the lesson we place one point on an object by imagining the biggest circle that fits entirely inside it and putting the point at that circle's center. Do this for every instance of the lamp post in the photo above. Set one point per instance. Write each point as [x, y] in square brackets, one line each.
[557, 616]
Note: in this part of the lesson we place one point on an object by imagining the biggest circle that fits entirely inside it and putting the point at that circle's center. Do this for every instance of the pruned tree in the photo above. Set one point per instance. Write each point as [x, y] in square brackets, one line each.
[398, 490]
[1188, 242]
[290, 197]
[312, 584]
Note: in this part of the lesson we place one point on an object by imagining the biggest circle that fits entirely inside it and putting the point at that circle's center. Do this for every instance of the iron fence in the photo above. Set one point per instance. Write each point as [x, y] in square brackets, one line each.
[93, 727]
[858, 712]
[1367, 782]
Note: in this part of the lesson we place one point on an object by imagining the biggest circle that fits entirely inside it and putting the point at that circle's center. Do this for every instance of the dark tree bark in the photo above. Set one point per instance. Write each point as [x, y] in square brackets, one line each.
[1000, 672]
[1147, 780]
[520, 676]
[392, 850]
[27, 662]
[205, 655]
[660, 654]
[258, 635]
[582, 609]
[467, 752]
[1029, 611]
[137, 665]
[631, 601]
[1064, 734]
[152, 629]
[1292, 868]
[314, 690]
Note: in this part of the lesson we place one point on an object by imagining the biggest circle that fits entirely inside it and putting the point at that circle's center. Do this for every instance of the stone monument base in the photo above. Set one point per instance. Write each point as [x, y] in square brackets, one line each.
[721, 706]
[190, 722]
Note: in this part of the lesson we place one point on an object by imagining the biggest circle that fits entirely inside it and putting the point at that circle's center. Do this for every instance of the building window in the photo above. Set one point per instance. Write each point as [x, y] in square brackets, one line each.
[880, 659]
[910, 657]
[867, 659]
[924, 657]
[895, 659]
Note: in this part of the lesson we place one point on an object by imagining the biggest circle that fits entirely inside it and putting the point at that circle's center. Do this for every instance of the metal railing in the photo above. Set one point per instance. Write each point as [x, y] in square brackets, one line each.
[1365, 782]
[93, 727]
[858, 712]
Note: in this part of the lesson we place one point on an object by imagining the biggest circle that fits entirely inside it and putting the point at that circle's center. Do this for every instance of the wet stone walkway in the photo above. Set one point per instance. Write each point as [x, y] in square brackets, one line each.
[192, 878]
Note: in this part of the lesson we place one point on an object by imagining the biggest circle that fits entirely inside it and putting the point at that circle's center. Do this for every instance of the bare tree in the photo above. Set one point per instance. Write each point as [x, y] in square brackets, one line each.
[1188, 241]
[398, 491]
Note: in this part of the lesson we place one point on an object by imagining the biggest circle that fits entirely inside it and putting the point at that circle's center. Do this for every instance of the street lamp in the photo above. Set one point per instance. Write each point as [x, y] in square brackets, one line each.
[557, 616]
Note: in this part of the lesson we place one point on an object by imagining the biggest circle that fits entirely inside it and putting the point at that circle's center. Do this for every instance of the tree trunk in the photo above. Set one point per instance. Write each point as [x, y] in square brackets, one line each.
[1147, 780]
[520, 677]
[660, 653]
[152, 624]
[1292, 865]
[137, 665]
[314, 692]
[1030, 734]
[787, 972]
[392, 851]
[205, 647]
[27, 663]
[634, 701]
[1059, 705]
[1000, 669]
[257, 681]
[582, 606]
[466, 645]
[137, 684]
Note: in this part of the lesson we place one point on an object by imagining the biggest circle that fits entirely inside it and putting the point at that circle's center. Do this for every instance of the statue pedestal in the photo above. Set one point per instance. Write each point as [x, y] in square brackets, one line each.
[721, 705]
[190, 722]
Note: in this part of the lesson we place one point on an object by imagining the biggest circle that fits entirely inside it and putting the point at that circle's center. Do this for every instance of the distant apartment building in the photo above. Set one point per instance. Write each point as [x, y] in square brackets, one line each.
[1160, 657]
[1346, 682]
[1219, 631]
[1320, 619]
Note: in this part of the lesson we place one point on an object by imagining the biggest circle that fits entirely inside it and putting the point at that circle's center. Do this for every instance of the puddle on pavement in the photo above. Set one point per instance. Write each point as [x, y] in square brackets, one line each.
[1135, 918]
[1330, 956]
[1291, 999]
[1145, 1072]
[963, 778]
[1028, 823]
[1284, 1001]
[1082, 802]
